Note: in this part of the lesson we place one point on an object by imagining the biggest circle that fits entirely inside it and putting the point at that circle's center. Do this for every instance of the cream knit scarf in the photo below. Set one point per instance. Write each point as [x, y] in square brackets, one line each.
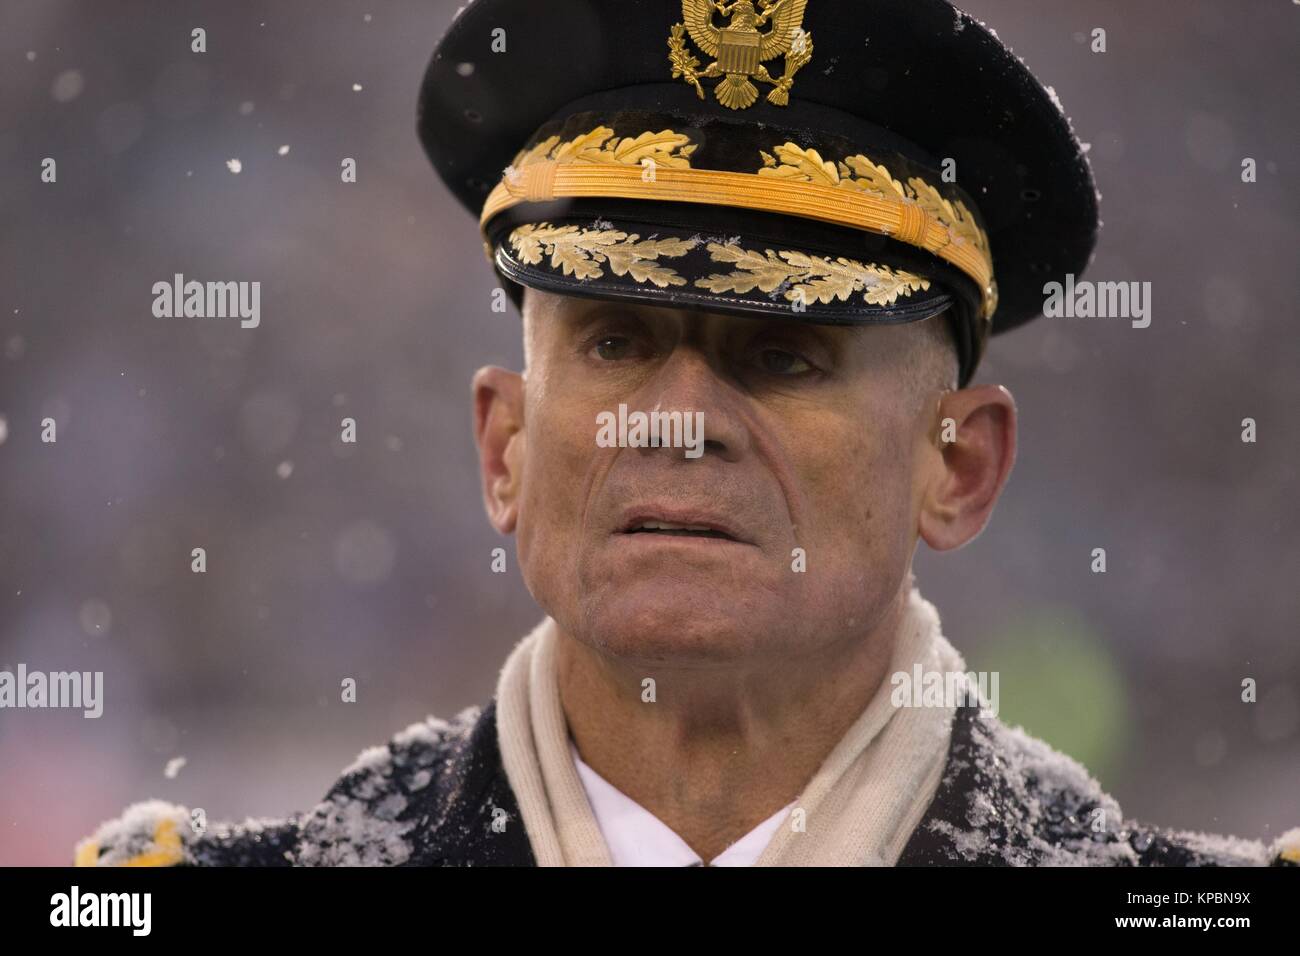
[860, 807]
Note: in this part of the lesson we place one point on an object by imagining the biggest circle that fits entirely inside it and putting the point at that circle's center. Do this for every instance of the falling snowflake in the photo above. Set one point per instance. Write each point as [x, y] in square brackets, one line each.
[234, 166]
[173, 767]
[67, 86]
[95, 617]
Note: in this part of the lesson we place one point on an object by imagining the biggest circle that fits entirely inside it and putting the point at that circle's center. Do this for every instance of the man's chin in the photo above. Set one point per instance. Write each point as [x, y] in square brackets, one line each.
[675, 621]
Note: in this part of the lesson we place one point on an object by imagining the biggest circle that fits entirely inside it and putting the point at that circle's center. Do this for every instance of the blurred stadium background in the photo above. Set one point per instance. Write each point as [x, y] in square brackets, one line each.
[328, 560]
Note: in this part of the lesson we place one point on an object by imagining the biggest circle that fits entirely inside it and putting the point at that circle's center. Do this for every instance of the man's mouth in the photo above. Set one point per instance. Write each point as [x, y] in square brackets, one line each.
[680, 523]
[663, 527]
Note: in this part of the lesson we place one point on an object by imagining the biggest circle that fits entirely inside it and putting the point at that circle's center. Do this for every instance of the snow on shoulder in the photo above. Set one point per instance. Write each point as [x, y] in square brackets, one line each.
[361, 821]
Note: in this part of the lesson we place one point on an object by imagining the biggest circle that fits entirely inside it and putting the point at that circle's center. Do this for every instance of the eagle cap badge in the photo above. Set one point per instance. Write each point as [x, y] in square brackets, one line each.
[741, 47]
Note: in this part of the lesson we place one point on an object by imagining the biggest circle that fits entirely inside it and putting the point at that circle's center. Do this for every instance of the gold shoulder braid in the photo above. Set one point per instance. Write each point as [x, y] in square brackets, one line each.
[165, 849]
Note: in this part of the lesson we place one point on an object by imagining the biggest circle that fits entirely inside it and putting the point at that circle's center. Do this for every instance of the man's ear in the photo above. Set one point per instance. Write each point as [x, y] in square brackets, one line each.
[977, 447]
[498, 432]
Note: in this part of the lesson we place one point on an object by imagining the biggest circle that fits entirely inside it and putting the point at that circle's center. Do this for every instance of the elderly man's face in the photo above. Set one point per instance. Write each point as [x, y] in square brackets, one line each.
[792, 531]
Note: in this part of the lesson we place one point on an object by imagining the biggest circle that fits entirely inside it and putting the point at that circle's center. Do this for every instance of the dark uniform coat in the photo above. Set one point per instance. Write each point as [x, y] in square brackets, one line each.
[437, 795]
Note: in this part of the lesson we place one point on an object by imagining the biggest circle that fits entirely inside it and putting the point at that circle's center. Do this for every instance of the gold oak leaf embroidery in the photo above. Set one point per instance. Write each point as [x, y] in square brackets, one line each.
[814, 278]
[665, 148]
[802, 165]
[860, 173]
[582, 252]
[959, 220]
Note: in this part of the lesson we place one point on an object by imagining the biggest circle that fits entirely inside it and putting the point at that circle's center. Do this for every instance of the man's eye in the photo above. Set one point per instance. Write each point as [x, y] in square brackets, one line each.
[780, 362]
[611, 348]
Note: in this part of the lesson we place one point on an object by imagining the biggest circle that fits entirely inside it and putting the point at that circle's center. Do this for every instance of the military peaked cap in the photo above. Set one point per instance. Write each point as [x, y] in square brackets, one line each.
[830, 162]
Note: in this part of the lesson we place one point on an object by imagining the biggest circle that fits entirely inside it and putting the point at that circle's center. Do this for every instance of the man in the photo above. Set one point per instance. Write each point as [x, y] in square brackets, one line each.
[758, 246]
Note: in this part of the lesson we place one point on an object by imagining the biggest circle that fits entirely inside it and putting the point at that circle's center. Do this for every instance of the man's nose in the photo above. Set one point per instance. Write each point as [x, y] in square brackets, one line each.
[688, 383]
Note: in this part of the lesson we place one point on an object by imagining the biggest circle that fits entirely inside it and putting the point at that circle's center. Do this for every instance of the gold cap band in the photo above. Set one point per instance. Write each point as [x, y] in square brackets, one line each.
[900, 219]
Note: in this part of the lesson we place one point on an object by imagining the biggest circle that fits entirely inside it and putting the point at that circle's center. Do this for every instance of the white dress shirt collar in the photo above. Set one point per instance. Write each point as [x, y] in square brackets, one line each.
[636, 837]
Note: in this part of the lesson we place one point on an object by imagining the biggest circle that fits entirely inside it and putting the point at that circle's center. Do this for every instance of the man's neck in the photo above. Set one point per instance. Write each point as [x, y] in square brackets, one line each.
[722, 748]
